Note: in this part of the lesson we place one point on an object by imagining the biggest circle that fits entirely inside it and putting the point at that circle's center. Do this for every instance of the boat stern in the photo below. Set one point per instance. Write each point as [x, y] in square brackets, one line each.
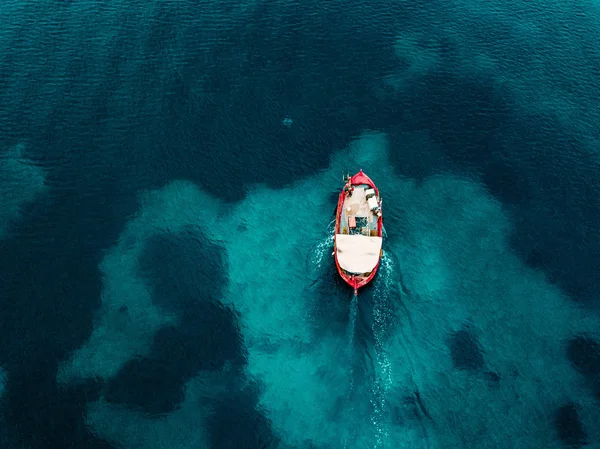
[356, 281]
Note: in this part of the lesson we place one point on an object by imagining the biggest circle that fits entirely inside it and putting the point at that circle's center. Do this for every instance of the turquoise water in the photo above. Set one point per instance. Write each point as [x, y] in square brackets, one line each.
[168, 176]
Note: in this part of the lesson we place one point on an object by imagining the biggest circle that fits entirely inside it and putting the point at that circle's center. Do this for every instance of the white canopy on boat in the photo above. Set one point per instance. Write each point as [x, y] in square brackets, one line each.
[357, 253]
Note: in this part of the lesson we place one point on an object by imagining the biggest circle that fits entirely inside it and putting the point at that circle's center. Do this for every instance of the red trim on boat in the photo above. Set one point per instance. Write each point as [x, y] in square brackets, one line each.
[362, 178]
[358, 179]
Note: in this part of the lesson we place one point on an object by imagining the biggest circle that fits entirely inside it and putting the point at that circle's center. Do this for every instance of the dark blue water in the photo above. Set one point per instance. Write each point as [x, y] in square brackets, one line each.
[165, 278]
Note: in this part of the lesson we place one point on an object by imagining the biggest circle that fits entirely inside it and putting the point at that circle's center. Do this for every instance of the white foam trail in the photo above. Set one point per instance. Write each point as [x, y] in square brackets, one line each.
[352, 322]
[349, 440]
[383, 380]
[323, 248]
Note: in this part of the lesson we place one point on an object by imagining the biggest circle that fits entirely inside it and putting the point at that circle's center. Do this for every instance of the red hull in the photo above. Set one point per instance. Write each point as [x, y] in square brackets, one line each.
[353, 281]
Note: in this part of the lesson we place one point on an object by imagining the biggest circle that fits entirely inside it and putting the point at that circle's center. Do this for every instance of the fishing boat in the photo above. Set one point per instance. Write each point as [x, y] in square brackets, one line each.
[358, 235]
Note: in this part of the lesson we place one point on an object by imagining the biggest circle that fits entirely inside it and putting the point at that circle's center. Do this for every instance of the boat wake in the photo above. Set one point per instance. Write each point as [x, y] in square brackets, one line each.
[350, 347]
[352, 323]
[382, 318]
[316, 256]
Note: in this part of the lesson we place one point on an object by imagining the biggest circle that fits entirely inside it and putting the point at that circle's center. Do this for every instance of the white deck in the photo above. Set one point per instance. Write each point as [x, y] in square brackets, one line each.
[357, 205]
[358, 253]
